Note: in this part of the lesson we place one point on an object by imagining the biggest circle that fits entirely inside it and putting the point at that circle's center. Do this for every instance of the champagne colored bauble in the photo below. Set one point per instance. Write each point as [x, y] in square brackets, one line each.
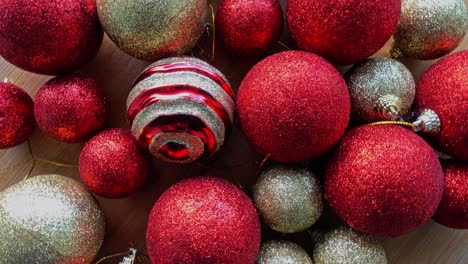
[49, 219]
[153, 29]
[282, 252]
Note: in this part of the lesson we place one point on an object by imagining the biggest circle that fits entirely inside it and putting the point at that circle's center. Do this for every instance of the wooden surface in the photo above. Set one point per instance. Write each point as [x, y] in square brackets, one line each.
[126, 218]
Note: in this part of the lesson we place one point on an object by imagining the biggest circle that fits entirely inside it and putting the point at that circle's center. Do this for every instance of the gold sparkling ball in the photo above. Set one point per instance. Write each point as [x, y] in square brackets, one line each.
[49, 219]
[429, 29]
[380, 89]
[288, 198]
[282, 252]
[346, 246]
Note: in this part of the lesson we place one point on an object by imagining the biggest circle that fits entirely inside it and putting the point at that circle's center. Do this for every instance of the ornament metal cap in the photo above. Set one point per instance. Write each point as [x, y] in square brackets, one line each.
[428, 122]
[131, 258]
[388, 106]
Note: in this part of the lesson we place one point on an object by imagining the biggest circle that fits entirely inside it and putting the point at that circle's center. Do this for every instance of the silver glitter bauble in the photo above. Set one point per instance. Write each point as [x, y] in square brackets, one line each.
[429, 29]
[282, 252]
[181, 109]
[49, 219]
[346, 246]
[289, 199]
[380, 89]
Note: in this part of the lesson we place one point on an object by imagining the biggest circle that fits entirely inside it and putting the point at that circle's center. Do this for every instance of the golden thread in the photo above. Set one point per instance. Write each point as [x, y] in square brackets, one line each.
[284, 45]
[262, 163]
[113, 256]
[399, 123]
[213, 26]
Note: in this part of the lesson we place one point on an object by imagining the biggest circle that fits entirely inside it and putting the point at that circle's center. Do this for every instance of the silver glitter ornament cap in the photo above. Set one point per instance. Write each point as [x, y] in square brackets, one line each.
[428, 122]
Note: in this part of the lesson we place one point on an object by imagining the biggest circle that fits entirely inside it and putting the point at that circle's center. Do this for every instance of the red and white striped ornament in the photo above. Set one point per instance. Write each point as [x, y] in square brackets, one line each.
[181, 109]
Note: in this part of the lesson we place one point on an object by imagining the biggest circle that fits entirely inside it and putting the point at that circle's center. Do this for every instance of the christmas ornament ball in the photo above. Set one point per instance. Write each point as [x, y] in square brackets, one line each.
[281, 252]
[293, 106]
[453, 209]
[153, 29]
[113, 164]
[342, 31]
[49, 37]
[49, 219]
[16, 115]
[202, 220]
[289, 199]
[384, 180]
[346, 246]
[249, 28]
[444, 89]
[70, 108]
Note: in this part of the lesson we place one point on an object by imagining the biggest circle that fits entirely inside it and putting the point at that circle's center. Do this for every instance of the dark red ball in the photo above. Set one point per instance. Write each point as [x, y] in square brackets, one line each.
[342, 31]
[249, 28]
[16, 115]
[71, 108]
[293, 106]
[444, 89]
[453, 209]
[203, 220]
[49, 37]
[113, 164]
[384, 180]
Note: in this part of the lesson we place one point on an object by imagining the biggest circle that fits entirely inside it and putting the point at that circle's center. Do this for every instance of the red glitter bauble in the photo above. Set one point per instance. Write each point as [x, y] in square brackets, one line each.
[203, 220]
[453, 209]
[444, 89]
[16, 115]
[249, 28]
[293, 106]
[49, 37]
[384, 180]
[342, 31]
[113, 164]
[71, 108]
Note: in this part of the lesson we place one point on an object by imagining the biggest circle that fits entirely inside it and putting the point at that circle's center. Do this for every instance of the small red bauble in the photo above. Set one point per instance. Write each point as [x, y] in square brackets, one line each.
[49, 37]
[249, 28]
[444, 89]
[293, 106]
[384, 180]
[343, 31]
[203, 220]
[453, 209]
[71, 108]
[16, 115]
[113, 164]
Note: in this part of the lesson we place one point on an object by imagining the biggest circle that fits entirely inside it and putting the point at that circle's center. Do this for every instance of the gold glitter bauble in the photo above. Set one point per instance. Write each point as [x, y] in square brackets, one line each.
[49, 219]
[346, 246]
[429, 29]
[282, 252]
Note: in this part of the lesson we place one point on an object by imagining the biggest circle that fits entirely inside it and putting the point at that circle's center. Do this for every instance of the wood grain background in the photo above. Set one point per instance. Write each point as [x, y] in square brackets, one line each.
[127, 218]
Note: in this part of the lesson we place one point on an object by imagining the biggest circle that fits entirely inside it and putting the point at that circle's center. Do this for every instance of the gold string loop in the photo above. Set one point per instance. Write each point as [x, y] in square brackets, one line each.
[399, 123]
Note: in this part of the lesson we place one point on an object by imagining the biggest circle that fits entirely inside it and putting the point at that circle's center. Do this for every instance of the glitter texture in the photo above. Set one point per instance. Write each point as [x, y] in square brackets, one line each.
[49, 219]
[71, 108]
[249, 28]
[153, 29]
[444, 89]
[16, 115]
[203, 220]
[342, 31]
[429, 29]
[384, 180]
[113, 165]
[380, 89]
[289, 199]
[282, 252]
[346, 246]
[453, 209]
[49, 37]
[293, 106]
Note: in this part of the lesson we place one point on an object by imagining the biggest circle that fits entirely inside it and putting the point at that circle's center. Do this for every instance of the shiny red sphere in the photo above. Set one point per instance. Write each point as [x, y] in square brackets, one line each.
[384, 180]
[342, 31]
[16, 115]
[203, 220]
[71, 108]
[113, 164]
[293, 106]
[444, 89]
[453, 209]
[49, 37]
[249, 28]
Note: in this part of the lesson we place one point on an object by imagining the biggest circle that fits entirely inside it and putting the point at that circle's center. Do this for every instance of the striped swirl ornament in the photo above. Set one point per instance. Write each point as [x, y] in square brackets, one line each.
[181, 109]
